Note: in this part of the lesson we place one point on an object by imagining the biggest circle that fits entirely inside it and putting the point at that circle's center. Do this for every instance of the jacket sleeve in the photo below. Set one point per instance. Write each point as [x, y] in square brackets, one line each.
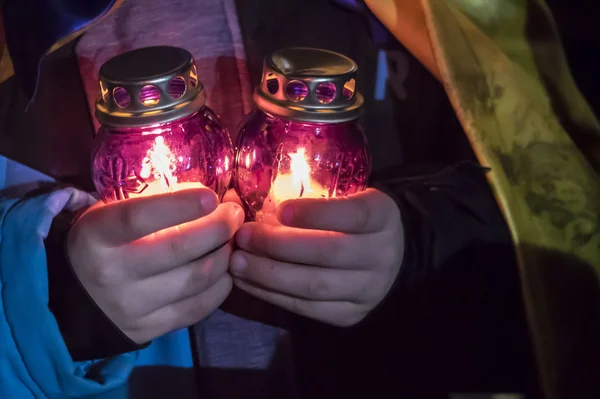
[35, 362]
[88, 333]
[456, 307]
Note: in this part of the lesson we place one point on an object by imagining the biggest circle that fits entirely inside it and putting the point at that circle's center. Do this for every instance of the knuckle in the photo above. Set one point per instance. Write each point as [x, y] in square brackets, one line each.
[318, 287]
[223, 231]
[332, 249]
[377, 290]
[205, 303]
[227, 287]
[188, 209]
[81, 236]
[197, 277]
[389, 256]
[354, 315]
[129, 218]
[205, 273]
[194, 210]
[263, 241]
[177, 245]
[138, 333]
[103, 274]
[366, 290]
[298, 306]
[123, 309]
[221, 261]
[190, 316]
[362, 214]
[268, 244]
[358, 315]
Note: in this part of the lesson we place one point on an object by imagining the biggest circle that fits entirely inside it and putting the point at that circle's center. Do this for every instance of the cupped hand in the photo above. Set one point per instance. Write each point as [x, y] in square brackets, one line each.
[156, 264]
[332, 260]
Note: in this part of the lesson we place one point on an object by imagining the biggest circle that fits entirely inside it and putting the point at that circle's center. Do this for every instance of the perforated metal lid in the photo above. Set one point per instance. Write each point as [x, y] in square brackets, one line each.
[310, 85]
[147, 86]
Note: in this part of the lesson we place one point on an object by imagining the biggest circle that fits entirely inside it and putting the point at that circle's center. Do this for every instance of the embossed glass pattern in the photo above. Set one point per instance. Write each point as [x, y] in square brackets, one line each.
[192, 152]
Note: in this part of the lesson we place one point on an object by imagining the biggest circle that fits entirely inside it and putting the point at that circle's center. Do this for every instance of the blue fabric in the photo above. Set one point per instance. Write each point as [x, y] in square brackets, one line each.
[32, 27]
[381, 81]
[34, 362]
[172, 350]
[15, 174]
[3, 171]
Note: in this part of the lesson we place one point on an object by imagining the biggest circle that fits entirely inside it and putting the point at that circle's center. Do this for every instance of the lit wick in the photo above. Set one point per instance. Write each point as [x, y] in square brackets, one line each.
[160, 162]
[295, 184]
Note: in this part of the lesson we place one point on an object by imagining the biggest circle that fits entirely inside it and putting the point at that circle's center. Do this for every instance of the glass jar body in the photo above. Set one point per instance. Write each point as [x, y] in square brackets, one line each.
[195, 151]
[279, 159]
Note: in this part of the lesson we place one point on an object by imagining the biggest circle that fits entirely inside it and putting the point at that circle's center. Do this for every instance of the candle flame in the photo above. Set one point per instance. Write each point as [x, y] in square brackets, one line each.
[161, 163]
[295, 184]
[300, 172]
[298, 183]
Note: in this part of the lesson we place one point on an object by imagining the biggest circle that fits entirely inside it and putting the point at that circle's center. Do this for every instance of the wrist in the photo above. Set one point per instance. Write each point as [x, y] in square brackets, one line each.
[88, 333]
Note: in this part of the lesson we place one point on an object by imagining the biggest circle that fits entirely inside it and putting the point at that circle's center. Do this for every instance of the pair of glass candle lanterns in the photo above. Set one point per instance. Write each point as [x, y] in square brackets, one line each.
[303, 140]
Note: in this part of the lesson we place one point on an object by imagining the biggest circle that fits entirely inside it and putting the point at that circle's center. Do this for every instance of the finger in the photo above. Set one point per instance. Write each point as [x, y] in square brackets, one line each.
[182, 282]
[232, 196]
[362, 213]
[184, 313]
[309, 247]
[305, 282]
[341, 314]
[125, 221]
[167, 249]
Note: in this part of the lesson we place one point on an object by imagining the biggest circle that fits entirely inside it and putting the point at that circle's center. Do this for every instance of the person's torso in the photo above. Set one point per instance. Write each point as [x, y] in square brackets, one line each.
[408, 121]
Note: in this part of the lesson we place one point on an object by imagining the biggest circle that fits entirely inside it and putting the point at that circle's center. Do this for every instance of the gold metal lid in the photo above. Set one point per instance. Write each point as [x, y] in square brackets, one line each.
[147, 86]
[309, 85]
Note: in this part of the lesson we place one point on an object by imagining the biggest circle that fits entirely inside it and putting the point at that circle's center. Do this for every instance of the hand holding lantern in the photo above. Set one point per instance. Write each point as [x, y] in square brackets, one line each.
[302, 158]
[156, 264]
[330, 260]
[155, 257]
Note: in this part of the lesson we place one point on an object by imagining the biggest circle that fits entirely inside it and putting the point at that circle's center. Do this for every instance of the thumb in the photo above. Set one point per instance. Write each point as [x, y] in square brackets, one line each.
[231, 196]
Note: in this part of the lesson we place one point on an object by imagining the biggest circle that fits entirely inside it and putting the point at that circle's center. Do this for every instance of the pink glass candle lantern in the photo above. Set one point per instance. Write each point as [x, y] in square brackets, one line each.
[157, 134]
[304, 139]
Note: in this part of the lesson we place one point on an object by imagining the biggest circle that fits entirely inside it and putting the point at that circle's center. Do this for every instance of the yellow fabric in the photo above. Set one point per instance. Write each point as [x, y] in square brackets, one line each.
[506, 75]
[406, 19]
[6, 66]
